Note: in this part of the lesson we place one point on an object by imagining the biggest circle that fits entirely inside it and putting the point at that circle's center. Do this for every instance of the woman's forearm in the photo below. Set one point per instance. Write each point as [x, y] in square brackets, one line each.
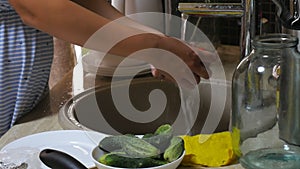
[71, 22]
[76, 24]
[61, 18]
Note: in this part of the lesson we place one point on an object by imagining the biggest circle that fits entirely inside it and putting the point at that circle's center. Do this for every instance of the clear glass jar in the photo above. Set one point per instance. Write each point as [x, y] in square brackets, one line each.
[255, 105]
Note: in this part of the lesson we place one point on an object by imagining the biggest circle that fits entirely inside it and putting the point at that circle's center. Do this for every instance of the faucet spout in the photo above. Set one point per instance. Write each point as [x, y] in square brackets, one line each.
[288, 13]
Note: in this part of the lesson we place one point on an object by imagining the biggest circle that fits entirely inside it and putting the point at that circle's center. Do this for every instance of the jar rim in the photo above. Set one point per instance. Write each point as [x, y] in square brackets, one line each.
[275, 40]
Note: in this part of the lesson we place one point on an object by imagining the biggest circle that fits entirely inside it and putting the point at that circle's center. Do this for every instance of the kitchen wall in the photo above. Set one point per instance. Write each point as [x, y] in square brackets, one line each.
[227, 31]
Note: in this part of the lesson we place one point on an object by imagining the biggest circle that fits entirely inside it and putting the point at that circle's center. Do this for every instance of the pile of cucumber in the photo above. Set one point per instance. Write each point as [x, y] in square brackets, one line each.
[150, 150]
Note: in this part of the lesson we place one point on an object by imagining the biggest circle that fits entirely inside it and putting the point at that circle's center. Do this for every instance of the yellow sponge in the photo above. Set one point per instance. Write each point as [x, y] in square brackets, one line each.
[212, 150]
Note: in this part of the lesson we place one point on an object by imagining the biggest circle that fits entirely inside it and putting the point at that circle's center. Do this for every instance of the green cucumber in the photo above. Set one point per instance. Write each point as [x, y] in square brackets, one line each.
[161, 137]
[122, 160]
[133, 146]
[112, 143]
[164, 129]
[138, 148]
[175, 149]
[148, 135]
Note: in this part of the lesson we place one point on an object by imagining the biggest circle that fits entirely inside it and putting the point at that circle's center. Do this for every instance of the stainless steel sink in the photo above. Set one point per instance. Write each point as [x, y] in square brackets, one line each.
[94, 109]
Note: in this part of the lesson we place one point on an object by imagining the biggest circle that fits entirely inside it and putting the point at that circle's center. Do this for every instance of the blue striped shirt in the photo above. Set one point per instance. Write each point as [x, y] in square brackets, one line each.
[25, 62]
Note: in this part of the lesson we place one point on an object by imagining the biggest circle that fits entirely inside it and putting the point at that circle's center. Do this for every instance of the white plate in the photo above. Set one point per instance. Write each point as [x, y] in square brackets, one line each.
[93, 62]
[76, 143]
[110, 72]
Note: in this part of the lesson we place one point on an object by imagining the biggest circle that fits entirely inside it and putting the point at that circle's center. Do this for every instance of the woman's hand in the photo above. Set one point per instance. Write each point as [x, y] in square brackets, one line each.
[189, 71]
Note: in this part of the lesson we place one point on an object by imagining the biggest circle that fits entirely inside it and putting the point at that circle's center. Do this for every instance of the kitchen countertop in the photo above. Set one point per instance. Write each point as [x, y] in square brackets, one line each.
[45, 116]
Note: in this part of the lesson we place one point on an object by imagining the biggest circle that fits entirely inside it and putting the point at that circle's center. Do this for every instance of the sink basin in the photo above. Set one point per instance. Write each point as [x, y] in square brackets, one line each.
[94, 109]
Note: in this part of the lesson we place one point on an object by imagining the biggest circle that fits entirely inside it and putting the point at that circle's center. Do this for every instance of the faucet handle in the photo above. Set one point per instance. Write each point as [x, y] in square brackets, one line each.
[288, 17]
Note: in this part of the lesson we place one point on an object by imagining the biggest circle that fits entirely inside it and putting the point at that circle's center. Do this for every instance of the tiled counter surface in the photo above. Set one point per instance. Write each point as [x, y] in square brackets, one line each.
[45, 116]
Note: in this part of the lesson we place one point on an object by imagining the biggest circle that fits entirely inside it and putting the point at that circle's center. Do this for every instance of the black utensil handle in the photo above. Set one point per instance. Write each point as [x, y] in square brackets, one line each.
[59, 160]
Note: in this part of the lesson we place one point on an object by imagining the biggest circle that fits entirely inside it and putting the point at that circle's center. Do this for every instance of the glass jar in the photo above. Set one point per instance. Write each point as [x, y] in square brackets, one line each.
[255, 105]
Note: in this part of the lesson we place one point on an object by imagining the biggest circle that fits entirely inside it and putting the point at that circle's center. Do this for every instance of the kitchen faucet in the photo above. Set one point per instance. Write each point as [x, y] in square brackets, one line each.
[244, 10]
[288, 12]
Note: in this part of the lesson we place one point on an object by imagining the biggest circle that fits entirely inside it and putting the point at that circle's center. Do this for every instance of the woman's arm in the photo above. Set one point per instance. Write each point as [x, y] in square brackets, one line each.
[71, 22]
[61, 18]
[74, 23]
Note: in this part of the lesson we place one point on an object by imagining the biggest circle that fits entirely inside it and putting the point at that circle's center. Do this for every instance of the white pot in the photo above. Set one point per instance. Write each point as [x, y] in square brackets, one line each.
[119, 5]
[137, 6]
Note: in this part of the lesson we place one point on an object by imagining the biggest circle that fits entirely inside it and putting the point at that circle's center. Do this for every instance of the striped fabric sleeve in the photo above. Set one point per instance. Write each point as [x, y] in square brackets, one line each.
[25, 62]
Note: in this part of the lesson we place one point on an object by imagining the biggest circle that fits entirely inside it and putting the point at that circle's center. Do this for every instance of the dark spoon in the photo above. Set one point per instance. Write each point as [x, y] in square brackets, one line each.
[59, 160]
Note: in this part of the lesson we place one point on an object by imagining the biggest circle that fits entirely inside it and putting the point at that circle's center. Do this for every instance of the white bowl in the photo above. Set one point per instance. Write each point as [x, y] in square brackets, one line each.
[97, 153]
